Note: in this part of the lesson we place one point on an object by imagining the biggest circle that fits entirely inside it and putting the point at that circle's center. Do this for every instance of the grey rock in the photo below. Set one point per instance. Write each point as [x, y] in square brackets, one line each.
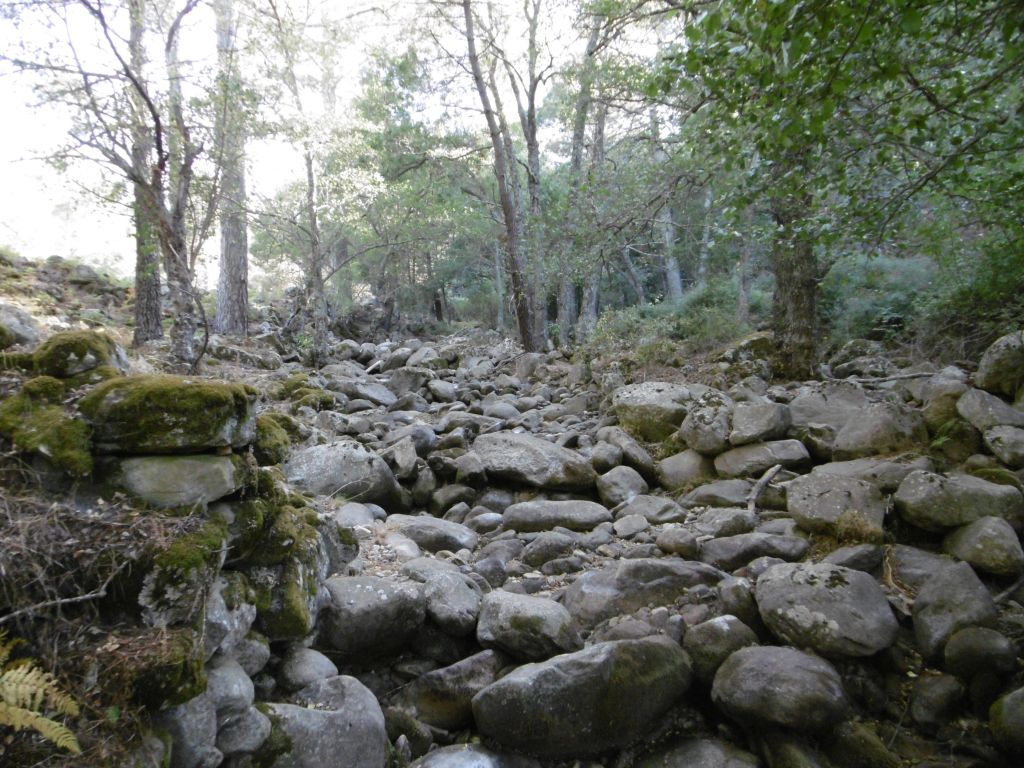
[619, 485]
[229, 688]
[302, 666]
[860, 557]
[653, 410]
[989, 544]
[708, 423]
[367, 614]
[605, 456]
[683, 469]
[836, 505]
[711, 642]
[453, 602]
[754, 459]
[1006, 719]
[1007, 443]
[408, 379]
[979, 650]
[630, 525]
[442, 697]
[984, 411]
[533, 462]
[722, 493]
[472, 756]
[525, 627]
[732, 552]
[21, 324]
[676, 540]
[725, 521]
[433, 534]
[759, 422]
[934, 700]
[342, 467]
[192, 728]
[243, 732]
[252, 652]
[1001, 368]
[830, 403]
[833, 610]
[936, 503]
[543, 515]
[781, 686]
[225, 627]
[633, 454]
[886, 474]
[654, 509]
[176, 481]
[627, 585]
[953, 599]
[601, 698]
[701, 753]
[880, 428]
[362, 389]
[914, 567]
[547, 546]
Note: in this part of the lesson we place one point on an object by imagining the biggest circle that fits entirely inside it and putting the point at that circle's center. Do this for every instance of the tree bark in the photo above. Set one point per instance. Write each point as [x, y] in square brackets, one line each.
[148, 317]
[795, 310]
[520, 291]
[588, 306]
[704, 254]
[743, 292]
[233, 281]
[666, 225]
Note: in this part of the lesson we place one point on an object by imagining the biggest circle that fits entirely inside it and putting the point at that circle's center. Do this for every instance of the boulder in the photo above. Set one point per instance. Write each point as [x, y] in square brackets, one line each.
[434, 534]
[885, 474]
[342, 468]
[989, 544]
[633, 454]
[532, 461]
[759, 422]
[543, 515]
[620, 484]
[701, 753]
[525, 627]
[984, 411]
[169, 414]
[627, 585]
[936, 502]
[732, 552]
[880, 428]
[754, 459]
[22, 327]
[302, 666]
[442, 697]
[71, 353]
[370, 615]
[781, 686]
[827, 608]
[1001, 368]
[176, 481]
[708, 423]
[243, 733]
[453, 602]
[654, 509]
[839, 506]
[602, 698]
[192, 730]
[711, 642]
[721, 493]
[831, 403]
[1007, 443]
[953, 599]
[683, 469]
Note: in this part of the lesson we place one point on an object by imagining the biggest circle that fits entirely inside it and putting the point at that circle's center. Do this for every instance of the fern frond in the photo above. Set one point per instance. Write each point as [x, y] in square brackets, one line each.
[30, 687]
[6, 647]
[19, 719]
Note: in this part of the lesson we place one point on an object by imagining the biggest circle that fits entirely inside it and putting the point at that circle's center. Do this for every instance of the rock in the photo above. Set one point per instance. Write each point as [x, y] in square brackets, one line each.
[252, 653]
[732, 552]
[24, 328]
[989, 544]
[347, 728]
[442, 391]
[880, 428]
[979, 650]
[755, 459]
[701, 753]
[543, 515]
[433, 534]
[243, 733]
[654, 509]
[370, 615]
[683, 469]
[169, 414]
[266, 359]
[676, 540]
[360, 389]
[934, 701]
[602, 698]
[472, 756]
[829, 403]
[547, 546]
[1001, 368]
[711, 642]
[838, 506]
[953, 599]
[722, 493]
[442, 697]
[619, 485]
[192, 729]
[229, 688]
[453, 602]
[225, 627]
[832, 610]
[1007, 443]
[529, 628]
[302, 666]
[1006, 719]
[708, 423]
[343, 467]
[759, 422]
[653, 410]
[984, 411]
[860, 557]
[885, 474]
[176, 481]
[914, 567]
[627, 585]
[630, 525]
[725, 521]
[780, 686]
[633, 453]
[533, 462]
[936, 503]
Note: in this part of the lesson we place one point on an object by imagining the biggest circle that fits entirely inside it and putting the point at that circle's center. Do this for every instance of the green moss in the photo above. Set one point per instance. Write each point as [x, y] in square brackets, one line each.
[95, 376]
[73, 352]
[317, 399]
[237, 590]
[289, 535]
[16, 361]
[278, 743]
[853, 527]
[248, 526]
[286, 389]
[999, 475]
[285, 422]
[195, 550]
[284, 613]
[272, 441]
[35, 422]
[159, 669]
[162, 413]
[7, 337]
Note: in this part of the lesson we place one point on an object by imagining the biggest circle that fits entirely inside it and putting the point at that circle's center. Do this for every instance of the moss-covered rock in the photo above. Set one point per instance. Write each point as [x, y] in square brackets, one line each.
[70, 353]
[35, 421]
[286, 389]
[7, 337]
[272, 441]
[157, 669]
[170, 414]
[16, 361]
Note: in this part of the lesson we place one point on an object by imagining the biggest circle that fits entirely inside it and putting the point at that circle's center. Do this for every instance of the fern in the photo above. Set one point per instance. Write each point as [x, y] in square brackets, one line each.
[24, 691]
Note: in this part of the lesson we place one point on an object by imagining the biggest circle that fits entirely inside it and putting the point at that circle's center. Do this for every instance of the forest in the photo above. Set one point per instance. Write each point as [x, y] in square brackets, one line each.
[515, 384]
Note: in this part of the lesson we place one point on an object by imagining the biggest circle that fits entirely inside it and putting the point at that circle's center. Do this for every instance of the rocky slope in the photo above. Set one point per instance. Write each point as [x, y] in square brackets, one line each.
[448, 554]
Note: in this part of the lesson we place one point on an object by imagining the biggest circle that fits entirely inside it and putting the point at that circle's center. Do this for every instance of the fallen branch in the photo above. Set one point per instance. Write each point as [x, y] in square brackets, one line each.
[94, 595]
[759, 487]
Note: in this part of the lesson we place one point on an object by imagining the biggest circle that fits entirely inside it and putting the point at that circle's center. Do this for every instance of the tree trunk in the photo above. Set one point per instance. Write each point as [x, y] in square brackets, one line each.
[499, 286]
[665, 224]
[233, 281]
[704, 254]
[147, 237]
[316, 294]
[795, 311]
[743, 292]
[588, 307]
[633, 276]
[520, 291]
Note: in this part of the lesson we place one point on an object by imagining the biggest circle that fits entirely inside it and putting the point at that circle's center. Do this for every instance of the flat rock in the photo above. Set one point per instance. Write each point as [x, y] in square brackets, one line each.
[526, 627]
[880, 428]
[732, 552]
[434, 534]
[827, 608]
[936, 502]
[984, 411]
[370, 615]
[886, 474]
[533, 462]
[836, 505]
[177, 481]
[654, 509]
[343, 468]
[653, 410]
[543, 515]
[754, 459]
[721, 493]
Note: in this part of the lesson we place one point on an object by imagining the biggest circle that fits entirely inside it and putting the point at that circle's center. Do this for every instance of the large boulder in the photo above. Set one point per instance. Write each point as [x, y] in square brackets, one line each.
[532, 461]
[953, 599]
[758, 422]
[836, 505]
[781, 686]
[833, 610]
[989, 544]
[832, 404]
[602, 698]
[708, 423]
[371, 615]
[756, 458]
[984, 411]
[442, 697]
[526, 627]
[543, 515]
[732, 552]
[683, 469]
[1001, 368]
[627, 585]
[70, 353]
[176, 481]
[169, 414]
[936, 502]
[1007, 443]
[653, 410]
[343, 468]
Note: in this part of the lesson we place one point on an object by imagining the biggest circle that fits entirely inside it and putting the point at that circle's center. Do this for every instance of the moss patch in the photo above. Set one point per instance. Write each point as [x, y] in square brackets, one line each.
[69, 353]
[277, 744]
[7, 337]
[35, 421]
[286, 389]
[157, 668]
[16, 361]
[272, 441]
[999, 475]
[317, 399]
[169, 414]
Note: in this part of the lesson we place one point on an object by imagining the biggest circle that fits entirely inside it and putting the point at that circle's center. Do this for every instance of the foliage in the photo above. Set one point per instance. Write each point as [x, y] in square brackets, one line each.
[25, 690]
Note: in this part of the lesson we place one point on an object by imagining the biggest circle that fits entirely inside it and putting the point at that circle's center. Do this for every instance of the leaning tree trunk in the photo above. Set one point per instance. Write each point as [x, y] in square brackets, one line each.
[233, 282]
[795, 309]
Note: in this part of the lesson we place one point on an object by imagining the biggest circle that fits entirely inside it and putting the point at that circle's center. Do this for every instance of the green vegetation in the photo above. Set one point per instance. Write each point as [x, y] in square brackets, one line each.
[36, 421]
[70, 353]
